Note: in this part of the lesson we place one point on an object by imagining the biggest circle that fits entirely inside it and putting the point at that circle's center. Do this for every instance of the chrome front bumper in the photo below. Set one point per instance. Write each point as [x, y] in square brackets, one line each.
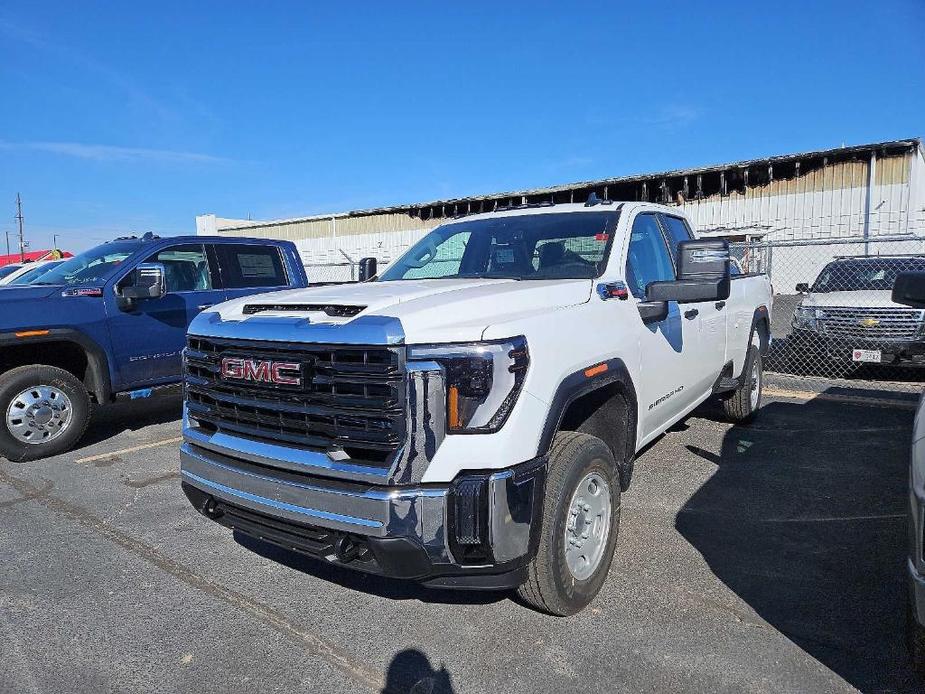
[478, 531]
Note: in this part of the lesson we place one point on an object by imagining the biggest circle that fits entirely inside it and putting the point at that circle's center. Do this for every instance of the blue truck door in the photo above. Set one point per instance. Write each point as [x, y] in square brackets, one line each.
[252, 269]
[148, 336]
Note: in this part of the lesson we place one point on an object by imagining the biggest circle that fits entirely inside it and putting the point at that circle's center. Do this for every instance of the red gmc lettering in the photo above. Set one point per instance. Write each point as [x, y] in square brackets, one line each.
[278, 372]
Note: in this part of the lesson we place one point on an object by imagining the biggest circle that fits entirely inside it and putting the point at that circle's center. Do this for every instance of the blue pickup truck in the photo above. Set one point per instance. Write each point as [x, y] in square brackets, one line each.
[111, 322]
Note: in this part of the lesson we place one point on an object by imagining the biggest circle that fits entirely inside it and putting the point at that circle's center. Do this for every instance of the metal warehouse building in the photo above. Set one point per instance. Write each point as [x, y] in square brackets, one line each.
[788, 214]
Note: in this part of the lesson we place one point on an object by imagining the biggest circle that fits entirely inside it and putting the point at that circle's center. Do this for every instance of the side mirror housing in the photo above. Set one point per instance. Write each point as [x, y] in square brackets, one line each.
[149, 281]
[909, 289]
[803, 287]
[368, 267]
[702, 274]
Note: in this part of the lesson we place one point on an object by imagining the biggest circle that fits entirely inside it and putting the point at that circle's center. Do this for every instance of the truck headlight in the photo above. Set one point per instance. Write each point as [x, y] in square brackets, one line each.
[483, 380]
[806, 317]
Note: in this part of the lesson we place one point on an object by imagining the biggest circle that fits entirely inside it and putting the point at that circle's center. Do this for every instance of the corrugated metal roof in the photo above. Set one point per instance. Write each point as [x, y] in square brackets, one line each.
[891, 146]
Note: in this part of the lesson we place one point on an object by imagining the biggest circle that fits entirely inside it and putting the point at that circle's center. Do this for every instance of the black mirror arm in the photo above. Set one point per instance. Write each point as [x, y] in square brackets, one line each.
[652, 311]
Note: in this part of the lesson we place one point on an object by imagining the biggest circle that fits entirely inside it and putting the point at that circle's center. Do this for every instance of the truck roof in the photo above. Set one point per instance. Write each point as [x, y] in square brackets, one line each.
[549, 208]
[194, 238]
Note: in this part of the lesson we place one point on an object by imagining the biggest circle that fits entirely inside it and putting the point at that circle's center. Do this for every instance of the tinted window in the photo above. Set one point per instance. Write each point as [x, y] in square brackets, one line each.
[876, 274]
[186, 267]
[647, 258]
[678, 231]
[251, 266]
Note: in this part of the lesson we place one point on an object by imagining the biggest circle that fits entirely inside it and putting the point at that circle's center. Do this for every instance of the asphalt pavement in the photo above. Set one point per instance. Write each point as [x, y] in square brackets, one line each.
[763, 558]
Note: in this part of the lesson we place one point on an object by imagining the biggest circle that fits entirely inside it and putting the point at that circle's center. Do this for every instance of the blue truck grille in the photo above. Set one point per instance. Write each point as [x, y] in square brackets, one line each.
[349, 399]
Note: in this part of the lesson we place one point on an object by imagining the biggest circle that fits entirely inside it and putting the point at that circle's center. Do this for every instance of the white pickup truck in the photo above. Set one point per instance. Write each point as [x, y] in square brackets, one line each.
[469, 417]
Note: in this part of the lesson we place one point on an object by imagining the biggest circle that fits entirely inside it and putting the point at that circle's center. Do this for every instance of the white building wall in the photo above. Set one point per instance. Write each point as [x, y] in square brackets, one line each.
[882, 198]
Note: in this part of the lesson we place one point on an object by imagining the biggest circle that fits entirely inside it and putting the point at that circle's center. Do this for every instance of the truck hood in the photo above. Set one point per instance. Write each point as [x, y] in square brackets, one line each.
[428, 310]
[860, 299]
[38, 307]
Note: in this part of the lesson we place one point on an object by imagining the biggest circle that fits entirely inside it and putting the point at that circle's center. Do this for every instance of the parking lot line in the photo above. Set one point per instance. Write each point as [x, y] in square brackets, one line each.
[833, 397]
[123, 451]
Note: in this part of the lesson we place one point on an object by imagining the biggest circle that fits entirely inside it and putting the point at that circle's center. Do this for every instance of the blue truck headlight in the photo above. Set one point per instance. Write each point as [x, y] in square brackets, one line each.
[483, 380]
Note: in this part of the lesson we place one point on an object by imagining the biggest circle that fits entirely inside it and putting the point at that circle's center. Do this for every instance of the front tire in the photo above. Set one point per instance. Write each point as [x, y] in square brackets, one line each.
[44, 411]
[581, 519]
[744, 402]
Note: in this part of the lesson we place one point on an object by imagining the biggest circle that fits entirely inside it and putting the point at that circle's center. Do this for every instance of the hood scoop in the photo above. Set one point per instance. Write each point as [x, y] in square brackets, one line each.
[335, 310]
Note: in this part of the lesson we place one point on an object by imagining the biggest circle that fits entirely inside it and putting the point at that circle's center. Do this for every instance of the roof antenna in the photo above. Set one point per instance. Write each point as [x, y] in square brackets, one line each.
[592, 200]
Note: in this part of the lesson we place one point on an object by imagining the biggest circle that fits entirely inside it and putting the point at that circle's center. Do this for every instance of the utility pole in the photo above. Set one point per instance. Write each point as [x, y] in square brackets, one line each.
[22, 245]
[7, 242]
[54, 245]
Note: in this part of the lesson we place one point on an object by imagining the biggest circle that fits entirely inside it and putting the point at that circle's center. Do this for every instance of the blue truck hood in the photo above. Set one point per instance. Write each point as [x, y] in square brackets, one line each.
[37, 307]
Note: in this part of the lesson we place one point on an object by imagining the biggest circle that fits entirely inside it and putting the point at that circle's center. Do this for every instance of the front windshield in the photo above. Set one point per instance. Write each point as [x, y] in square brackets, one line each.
[873, 274]
[31, 275]
[8, 270]
[90, 266]
[568, 245]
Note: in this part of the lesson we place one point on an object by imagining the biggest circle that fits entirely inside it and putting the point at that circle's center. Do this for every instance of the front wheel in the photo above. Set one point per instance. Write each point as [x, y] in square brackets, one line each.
[45, 411]
[581, 518]
[742, 405]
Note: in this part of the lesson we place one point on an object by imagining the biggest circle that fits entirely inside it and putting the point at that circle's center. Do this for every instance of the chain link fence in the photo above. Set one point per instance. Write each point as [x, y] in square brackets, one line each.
[833, 317]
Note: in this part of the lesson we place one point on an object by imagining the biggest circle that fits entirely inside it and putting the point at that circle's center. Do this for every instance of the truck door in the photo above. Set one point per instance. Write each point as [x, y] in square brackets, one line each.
[704, 322]
[149, 335]
[666, 348]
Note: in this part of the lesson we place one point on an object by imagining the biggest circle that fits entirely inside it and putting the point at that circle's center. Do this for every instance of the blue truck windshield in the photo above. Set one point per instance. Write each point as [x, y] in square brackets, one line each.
[570, 245]
[90, 266]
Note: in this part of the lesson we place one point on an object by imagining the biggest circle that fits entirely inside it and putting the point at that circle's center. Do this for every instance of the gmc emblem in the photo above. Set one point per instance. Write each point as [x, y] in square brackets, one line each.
[284, 373]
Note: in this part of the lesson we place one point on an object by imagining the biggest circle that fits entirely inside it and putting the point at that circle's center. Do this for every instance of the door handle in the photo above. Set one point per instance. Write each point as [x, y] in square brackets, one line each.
[203, 307]
[691, 314]
[720, 305]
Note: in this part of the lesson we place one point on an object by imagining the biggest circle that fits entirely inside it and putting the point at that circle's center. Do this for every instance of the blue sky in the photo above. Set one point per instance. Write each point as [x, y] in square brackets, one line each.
[126, 117]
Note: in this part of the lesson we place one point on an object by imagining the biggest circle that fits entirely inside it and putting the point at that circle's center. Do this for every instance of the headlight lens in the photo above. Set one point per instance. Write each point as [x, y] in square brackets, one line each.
[483, 380]
[806, 317]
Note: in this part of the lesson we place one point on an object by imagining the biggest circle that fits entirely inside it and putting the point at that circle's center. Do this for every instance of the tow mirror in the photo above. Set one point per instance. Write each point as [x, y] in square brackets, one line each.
[803, 287]
[149, 281]
[367, 269]
[702, 274]
[909, 289]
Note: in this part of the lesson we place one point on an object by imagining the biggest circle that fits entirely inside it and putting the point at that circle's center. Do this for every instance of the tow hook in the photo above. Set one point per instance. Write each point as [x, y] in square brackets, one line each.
[209, 507]
[345, 549]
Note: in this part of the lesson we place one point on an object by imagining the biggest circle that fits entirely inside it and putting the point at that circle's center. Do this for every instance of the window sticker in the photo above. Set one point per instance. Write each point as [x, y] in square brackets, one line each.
[504, 255]
[253, 265]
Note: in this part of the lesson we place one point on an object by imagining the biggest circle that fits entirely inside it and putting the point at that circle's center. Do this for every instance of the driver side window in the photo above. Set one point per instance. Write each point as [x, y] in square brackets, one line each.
[186, 268]
[647, 259]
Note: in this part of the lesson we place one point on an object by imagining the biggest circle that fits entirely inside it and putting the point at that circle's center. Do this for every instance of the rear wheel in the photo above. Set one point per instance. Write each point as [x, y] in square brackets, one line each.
[581, 518]
[742, 406]
[45, 411]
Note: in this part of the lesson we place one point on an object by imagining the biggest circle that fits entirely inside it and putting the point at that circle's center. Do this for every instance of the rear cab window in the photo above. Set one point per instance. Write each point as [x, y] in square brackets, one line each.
[245, 265]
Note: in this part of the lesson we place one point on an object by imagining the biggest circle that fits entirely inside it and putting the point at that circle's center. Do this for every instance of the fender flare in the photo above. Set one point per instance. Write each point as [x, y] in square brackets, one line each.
[99, 381]
[762, 315]
[579, 384]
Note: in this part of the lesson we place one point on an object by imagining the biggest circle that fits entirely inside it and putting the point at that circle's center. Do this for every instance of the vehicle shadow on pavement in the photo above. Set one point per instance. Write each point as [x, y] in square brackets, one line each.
[110, 420]
[804, 518]
[380, 586]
